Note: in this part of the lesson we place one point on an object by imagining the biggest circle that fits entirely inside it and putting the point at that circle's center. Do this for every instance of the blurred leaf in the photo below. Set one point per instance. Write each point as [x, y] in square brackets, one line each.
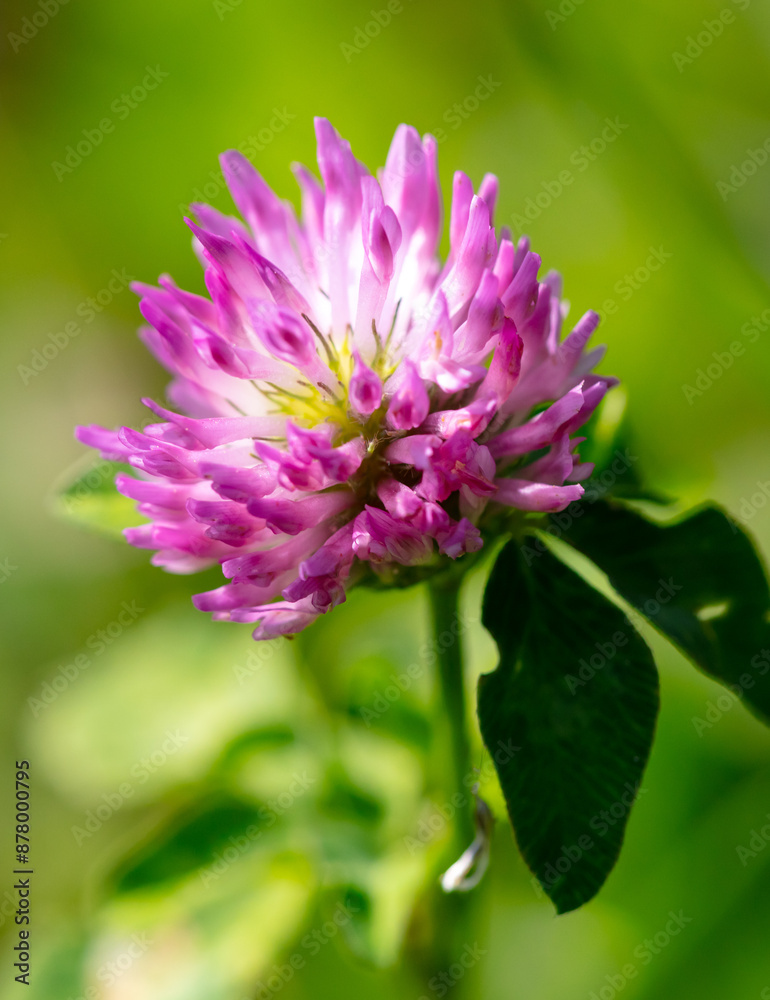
[263, 738]
[386, 772]
[343, 800]
[92, 500]
[168, 673]
[385, 698]
[190, 841]
[582, 733]
[400, 719]
[381, 906]
[214, 935]
[699, 581]
[351, 824]
[59, 969]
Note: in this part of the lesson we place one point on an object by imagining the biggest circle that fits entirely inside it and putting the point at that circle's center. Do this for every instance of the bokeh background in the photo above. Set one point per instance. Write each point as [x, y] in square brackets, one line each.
[687, 87]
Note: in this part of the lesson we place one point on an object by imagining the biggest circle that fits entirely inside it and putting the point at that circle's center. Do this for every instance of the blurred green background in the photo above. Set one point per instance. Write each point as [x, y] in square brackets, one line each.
[288, 729]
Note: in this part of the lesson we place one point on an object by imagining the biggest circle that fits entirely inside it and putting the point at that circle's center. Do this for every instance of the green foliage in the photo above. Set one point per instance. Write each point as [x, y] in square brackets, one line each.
[290, 818]
[582, 744]
[120, 208]
[576, 685]
[89, 498]
[175, 851]
[698, 580]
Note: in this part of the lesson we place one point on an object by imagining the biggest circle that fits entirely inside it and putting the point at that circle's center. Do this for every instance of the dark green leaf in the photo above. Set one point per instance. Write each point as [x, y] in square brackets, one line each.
[191, 841]
[576, 691]
[699, 581]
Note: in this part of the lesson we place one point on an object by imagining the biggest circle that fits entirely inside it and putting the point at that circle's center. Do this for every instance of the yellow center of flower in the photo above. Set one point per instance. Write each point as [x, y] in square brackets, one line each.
[314, 404]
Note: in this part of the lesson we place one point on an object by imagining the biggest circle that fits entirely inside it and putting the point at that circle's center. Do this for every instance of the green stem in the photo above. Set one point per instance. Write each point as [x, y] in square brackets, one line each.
[450, 913]
[444, 594]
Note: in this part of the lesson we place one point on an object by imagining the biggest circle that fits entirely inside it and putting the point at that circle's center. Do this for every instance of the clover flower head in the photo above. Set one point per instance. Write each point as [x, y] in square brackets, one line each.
[344, 402]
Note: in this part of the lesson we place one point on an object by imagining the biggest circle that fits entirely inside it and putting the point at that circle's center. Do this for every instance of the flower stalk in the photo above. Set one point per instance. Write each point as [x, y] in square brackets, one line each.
[445, 615]
[449, 916]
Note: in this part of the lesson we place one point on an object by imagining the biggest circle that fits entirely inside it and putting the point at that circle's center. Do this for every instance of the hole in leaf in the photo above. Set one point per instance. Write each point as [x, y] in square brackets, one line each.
[710, 611]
